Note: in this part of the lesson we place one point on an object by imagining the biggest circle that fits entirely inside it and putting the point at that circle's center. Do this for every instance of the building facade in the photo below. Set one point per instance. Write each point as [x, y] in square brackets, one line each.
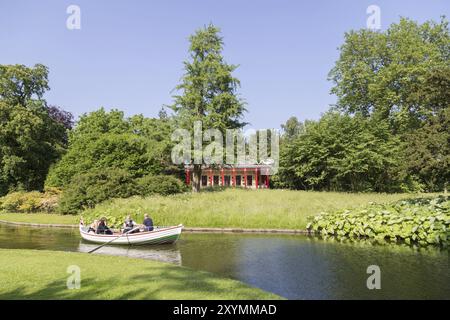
[244, 176]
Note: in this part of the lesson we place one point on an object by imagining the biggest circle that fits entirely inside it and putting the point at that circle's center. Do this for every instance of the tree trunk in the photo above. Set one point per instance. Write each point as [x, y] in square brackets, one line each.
[196, 177]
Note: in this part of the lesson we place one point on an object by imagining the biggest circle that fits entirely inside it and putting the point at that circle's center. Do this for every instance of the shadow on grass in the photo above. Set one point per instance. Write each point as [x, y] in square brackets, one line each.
[154, 283]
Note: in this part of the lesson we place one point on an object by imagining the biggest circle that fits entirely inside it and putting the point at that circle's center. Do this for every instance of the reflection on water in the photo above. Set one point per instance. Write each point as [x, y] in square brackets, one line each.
[296, 267]
[161, 253]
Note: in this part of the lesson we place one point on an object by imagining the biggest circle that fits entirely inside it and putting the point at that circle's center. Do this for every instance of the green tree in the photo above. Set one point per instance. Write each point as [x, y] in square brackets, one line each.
[95, 186]
[103, 140]
[427, 155]
[292, 128]
[208, 91]
[30, 138]
[20, 84]
[342, 153]
[386, 74]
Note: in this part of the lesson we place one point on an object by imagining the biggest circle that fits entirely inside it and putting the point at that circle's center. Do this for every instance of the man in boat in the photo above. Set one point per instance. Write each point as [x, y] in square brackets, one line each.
[129, 224]
[148, 223]
[102, 228]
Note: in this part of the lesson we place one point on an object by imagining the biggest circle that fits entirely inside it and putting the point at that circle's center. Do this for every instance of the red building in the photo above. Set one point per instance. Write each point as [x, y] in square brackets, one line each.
[254, 176]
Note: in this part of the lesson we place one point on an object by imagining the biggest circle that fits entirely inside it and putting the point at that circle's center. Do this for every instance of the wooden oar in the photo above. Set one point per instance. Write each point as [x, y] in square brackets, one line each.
[113, 239]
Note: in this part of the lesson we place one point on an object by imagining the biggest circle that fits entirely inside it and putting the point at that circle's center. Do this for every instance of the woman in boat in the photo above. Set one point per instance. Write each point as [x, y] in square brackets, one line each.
[93, 227]
[148, 223]
[129, 225]
[102, 228]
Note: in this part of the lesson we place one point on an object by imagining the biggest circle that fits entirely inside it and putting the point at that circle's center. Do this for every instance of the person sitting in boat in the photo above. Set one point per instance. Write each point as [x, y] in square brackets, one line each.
[129, 225]
[102, 228]
[93, 227]
[148, 223]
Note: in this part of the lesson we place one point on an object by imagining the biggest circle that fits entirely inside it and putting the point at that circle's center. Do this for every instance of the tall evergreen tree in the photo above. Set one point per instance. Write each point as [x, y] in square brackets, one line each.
[208, 90]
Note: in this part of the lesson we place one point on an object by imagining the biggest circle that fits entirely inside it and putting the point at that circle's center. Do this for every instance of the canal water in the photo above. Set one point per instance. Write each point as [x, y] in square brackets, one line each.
[295, 267]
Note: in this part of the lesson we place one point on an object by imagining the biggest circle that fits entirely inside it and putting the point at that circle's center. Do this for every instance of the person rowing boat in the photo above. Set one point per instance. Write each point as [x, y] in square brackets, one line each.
[129, 225]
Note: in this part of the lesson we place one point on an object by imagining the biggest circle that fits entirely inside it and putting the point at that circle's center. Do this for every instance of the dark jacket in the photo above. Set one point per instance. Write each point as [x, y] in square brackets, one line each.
[148, 223]
[103, 229]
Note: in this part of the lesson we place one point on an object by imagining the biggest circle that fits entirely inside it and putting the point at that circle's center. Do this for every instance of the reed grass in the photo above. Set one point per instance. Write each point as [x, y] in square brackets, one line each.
[235, 208]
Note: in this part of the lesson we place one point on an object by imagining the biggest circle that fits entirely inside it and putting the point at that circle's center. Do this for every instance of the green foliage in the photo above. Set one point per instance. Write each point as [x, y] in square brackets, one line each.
[159, 184]
[208, 91]
[235, 208]
[88, 189]
[27, 202]
[19, 84]
[390, 130]
[30, 139]
[427, 153]
[341, 152]
[103, 140]
[387, 75]
[292, 129]
[422, 221]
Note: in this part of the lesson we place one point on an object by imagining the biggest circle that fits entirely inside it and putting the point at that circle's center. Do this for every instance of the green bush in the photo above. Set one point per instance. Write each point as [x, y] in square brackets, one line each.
[159, 184]
[30, 201]
[420, 221]
[12, 201]
[86, 190]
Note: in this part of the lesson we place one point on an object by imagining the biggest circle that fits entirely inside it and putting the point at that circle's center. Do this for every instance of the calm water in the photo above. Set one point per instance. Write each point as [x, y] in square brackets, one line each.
[296, 267]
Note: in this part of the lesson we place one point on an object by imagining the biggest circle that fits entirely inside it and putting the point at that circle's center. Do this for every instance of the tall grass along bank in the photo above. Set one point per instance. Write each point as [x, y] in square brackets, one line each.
[270, 209]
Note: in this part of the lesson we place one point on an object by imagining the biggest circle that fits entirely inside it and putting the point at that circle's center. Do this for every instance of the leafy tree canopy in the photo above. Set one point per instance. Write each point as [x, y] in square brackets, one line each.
[400, 75]
[104, 140]
[31, 139]
[342, 153]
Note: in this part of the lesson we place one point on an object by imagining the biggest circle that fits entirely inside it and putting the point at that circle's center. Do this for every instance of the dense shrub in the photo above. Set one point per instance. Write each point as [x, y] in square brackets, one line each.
[30, 201]
[86, 190]
[414, 221]
[159, 184]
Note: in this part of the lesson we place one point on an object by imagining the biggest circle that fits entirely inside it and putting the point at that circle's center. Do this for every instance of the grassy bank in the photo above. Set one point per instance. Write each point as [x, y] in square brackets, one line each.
[44, 218]
[33, 274]
[278, 209]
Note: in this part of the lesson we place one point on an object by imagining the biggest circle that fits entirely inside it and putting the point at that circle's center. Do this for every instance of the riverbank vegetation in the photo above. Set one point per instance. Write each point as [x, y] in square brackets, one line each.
[40, 218]
[422, 221]
[34, 201]
[38, 274]
[267, 209]
[239, 208]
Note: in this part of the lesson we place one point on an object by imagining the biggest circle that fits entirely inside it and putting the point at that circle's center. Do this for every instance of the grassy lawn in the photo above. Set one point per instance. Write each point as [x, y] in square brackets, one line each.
[278, 209]
[44, 218]
[33, 274]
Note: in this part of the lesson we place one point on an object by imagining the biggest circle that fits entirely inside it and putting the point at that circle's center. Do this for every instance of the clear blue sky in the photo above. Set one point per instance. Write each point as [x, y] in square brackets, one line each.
[128, 54]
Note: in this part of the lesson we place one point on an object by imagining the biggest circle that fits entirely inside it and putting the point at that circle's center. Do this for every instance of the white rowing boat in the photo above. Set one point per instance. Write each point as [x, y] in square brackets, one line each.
[159, 235]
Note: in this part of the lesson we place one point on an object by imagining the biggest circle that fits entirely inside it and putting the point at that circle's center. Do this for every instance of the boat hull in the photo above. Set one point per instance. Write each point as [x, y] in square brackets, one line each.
[162, 235]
